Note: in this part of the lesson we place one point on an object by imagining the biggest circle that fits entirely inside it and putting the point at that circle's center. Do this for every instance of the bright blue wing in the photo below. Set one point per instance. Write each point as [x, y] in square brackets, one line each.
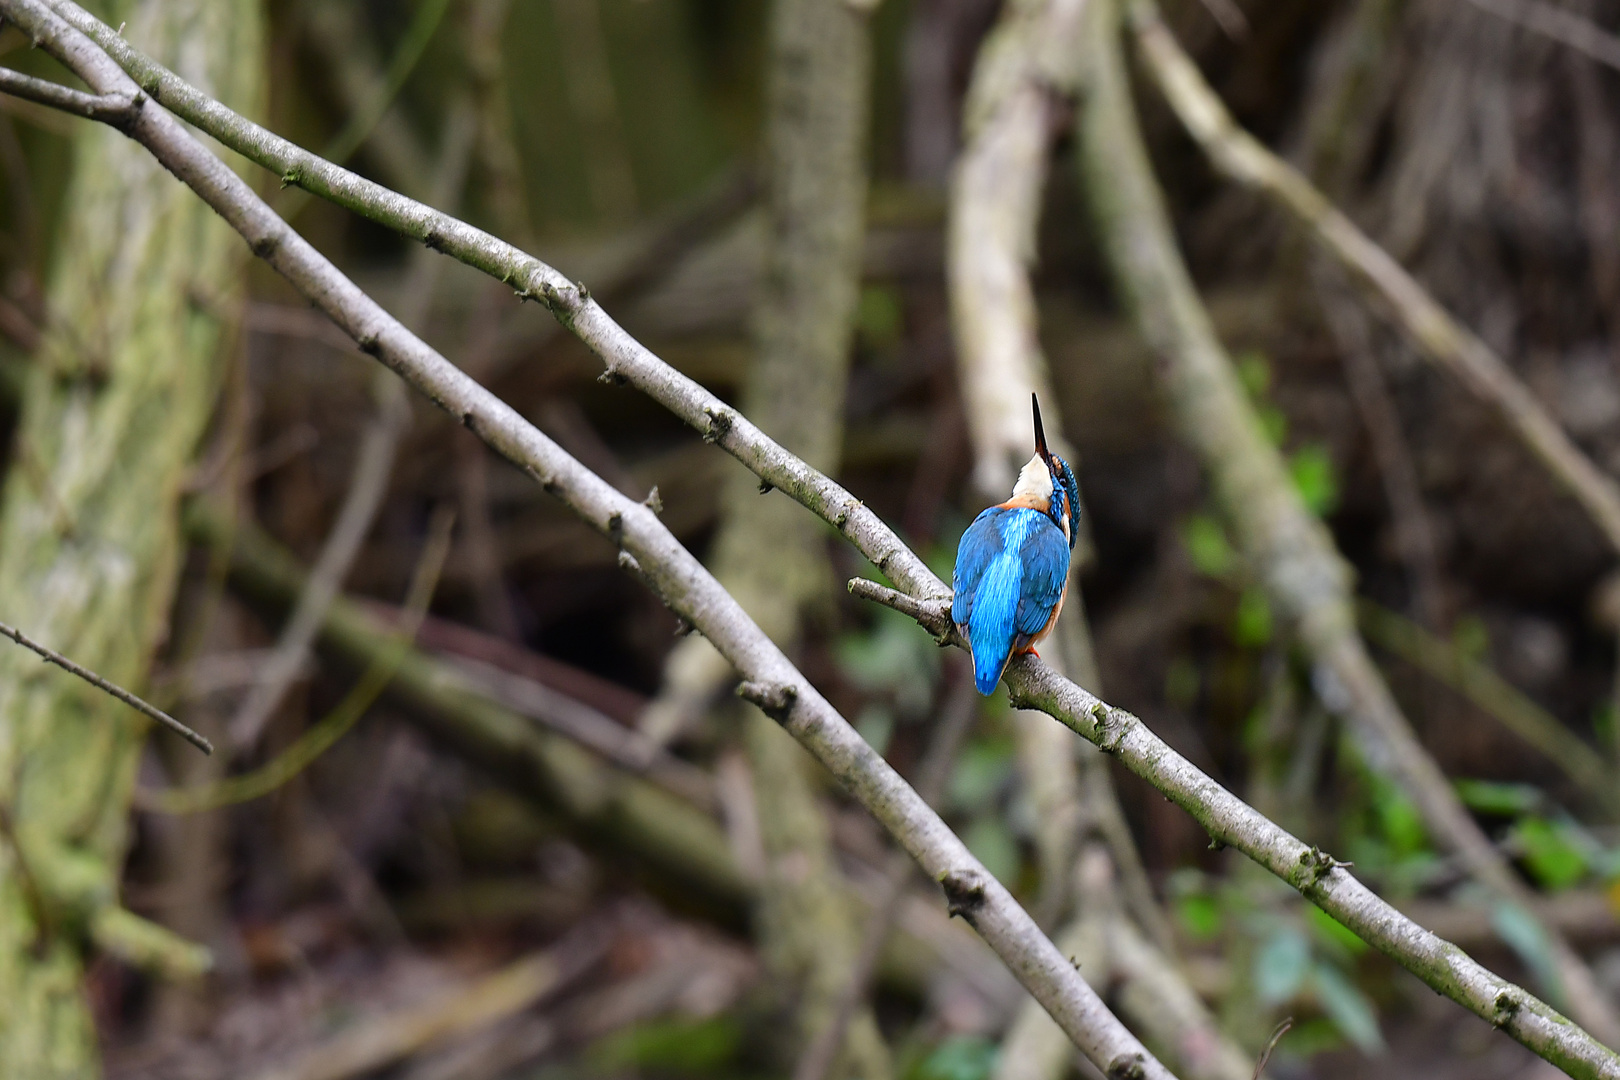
[1045, 557]
[1011, 566]
[980, 544]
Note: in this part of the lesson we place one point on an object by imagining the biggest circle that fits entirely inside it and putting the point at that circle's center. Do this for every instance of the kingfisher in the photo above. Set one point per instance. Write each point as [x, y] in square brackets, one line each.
[1013, 563]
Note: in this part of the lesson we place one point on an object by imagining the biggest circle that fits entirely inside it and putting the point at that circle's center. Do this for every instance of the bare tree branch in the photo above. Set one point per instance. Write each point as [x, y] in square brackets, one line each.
[1561, 25]
[54, 657]
[771, 681]
[1320, 878]
[1438, 336]
[1300, 568]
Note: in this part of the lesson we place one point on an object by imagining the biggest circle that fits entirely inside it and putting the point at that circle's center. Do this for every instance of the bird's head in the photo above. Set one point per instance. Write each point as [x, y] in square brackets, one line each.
[1047, 483]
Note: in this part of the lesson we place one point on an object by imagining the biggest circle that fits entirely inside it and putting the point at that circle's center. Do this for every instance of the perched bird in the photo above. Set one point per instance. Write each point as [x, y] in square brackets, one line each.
[1013, 563]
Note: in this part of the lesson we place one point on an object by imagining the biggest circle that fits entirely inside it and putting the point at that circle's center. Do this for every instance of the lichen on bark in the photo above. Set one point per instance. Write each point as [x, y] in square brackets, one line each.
[120, 391]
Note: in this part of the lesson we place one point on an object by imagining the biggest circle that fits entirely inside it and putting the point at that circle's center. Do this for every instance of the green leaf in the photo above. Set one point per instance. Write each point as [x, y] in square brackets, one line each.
[1252, 624]
[1200, 915]
[992, 843]
[1553, 858]
[690, 1047]
[880, 319]
[1207, 546]
[1181, 682]
[960, 1057]
[1334, 933]
[892, 658]
[1281, 965]
[1348, 1008]
[1274, 423]
[1471, 638]
[1399, 821]
[1315, 479]
[1502, 800]
[1254, 371]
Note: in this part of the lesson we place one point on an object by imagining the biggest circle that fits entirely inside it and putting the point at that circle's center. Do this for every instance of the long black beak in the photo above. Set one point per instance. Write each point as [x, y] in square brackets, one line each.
[1040, 432]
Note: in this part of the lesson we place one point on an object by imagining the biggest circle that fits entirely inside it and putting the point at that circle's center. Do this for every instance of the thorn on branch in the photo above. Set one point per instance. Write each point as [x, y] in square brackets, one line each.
[654, 501]
[628, 562]
[775, 700]
[682, 627]
[611, 377]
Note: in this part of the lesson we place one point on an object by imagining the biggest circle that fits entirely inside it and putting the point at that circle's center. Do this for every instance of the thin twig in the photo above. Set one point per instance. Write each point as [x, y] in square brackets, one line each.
[1495, 696]
[324, 735]
[1438, 336]
[1321, 879]
[1561, 25]
[458, 1011]
[1301, 568]
[373, 467]
[644, 541]
[1271, 1044]
[114, 109]
[54, 657]
[1370, 392]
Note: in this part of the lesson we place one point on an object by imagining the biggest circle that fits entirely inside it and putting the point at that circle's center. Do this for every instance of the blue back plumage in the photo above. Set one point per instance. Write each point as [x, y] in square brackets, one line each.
[1011, 567]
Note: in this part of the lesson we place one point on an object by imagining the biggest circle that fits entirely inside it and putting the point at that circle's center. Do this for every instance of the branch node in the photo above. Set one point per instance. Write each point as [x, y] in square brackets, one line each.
[1110, 729]
[654, 501]
[766, 487]
[1319, 864]
[775, 700]
[720, 421]
[265, 246]
[615, 525]
[611, 376]
[1507, 1006]
[1127, 1067]
[434, 239]
[932, 615]
[293, 177]
[682, 627]
[964, 893]
[628, 562]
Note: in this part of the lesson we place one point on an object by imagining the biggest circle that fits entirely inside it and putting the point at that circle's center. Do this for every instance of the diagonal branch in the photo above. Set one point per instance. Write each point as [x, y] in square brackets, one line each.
[646, 547]
[1438, 336]
[1230, 821]
[1561, 25]
[51, 656]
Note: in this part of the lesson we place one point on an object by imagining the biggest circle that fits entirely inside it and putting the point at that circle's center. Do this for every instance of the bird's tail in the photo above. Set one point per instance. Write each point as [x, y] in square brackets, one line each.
[988, 664]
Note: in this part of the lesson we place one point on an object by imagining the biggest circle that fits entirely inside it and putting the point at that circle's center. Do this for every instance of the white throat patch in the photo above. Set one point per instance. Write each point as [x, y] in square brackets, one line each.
[1034, 482]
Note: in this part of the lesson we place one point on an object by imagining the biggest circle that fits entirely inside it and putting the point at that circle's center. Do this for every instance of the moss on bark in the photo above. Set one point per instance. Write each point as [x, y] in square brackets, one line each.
[120, 391]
